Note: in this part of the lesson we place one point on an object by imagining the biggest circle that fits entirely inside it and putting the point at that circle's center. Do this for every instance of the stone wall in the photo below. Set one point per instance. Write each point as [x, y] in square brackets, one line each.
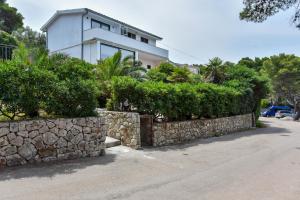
[178, 132]
[37, 141]
[123, 126]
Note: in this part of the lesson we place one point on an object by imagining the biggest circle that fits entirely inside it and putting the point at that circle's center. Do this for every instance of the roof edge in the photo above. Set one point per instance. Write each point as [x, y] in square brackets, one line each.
[85, 10]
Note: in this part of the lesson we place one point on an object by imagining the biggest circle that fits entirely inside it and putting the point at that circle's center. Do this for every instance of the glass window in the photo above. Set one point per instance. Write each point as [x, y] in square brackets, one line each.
[126, 53]
[97, 24]
[131, 35]
[107, 51]
[145, 40]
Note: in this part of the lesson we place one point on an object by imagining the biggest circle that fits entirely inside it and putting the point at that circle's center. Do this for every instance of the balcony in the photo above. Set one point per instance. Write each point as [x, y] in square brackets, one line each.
[121, 41]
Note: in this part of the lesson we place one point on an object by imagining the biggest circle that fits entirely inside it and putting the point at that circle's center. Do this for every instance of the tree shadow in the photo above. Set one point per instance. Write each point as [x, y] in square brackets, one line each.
[224, 138]
[54, 168]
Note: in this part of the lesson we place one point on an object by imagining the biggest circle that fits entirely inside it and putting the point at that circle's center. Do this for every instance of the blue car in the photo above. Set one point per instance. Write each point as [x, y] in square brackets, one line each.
[271, 112]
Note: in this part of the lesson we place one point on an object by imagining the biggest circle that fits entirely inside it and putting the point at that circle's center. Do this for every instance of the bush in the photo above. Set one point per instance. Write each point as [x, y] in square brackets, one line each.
[6, 38]
[179, 101]
[67, 89]
[24, 90]
[168, 73]
[76, 92]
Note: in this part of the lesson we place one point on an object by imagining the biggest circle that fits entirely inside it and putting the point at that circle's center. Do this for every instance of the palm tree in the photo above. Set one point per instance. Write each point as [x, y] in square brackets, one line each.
[214, 71]
[116, 66]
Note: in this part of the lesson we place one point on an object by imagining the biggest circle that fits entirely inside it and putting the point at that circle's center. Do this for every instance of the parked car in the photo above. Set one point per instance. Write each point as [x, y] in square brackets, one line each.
[284, 113]
[271, 112]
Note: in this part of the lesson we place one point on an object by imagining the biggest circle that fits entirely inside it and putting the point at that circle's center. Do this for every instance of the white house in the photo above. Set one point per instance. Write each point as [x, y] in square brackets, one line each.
[91, 36]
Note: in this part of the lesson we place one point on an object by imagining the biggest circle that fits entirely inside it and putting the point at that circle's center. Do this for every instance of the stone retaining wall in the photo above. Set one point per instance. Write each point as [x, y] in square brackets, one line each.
[123, 126]
[178, 132]
[37, 141]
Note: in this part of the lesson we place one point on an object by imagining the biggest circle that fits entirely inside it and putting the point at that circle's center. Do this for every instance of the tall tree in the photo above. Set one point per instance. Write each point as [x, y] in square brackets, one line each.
[31, 38]
[260, 10]
[284, 71]
[10, 18]
[214, 71]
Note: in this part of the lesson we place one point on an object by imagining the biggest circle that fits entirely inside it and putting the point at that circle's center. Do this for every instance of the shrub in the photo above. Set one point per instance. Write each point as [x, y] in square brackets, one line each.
[76, 92]
[179, 101]
[66, 89]
[246, 79]
[24, 90]
[166, 72]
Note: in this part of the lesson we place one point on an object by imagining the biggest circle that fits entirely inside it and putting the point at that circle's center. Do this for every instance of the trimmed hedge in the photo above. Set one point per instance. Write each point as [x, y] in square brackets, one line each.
[179, 101]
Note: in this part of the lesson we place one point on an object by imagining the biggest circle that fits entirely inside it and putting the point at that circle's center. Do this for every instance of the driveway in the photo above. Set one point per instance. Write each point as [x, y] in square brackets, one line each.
[261, 164]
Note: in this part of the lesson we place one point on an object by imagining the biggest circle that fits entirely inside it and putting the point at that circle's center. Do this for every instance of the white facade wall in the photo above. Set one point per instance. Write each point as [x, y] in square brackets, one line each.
[64, 35]
[90, 52]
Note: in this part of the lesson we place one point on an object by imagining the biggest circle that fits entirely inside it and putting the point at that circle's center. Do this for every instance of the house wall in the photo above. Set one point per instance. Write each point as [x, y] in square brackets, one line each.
[64, 35]
[90, 52]
[115, 27]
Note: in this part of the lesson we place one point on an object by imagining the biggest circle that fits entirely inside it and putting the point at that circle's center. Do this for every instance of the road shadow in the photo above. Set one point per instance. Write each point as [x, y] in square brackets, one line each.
[229, 137]
[48, 170]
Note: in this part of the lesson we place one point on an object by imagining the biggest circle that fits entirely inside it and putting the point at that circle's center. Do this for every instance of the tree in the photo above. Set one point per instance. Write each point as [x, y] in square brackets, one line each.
[255, 64]
[10, 18]
[284, 72]
[7, 39]
[260, 10]
[180, 75]
[214, 71]
[32, 39]
[116, 66]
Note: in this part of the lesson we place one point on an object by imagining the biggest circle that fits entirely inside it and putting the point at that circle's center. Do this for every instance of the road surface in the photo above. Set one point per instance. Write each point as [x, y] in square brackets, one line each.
[261, 164]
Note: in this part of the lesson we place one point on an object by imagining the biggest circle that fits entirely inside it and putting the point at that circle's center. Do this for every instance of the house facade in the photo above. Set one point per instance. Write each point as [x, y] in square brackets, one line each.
[91, 36]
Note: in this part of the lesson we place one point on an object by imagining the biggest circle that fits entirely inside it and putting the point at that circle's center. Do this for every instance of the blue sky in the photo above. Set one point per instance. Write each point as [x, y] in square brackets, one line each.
[193, 30]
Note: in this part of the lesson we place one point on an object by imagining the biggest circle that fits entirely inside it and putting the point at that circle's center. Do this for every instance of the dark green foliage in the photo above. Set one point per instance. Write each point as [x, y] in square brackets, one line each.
[180, 101]
[67, 89]
[214, 71]
[246, 79]
[7, 39]
[260, 10]
[24, 90]
[10, 19]
[76, 93]
[168, 73]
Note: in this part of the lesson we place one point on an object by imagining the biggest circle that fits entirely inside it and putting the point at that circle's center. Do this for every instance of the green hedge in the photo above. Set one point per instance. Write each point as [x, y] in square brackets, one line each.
[179, 101]
[61, 86]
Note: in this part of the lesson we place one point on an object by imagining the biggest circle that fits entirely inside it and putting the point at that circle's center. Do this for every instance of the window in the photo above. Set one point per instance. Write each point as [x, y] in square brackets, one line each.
[145, 40]
[109, 51]
[98, 24]
[123, 31]
[131, 35]
[126, 53]
[148, 66]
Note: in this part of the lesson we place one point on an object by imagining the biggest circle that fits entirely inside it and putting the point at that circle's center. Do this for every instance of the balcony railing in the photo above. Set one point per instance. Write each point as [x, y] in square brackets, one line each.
[118, 39]
[6, 51]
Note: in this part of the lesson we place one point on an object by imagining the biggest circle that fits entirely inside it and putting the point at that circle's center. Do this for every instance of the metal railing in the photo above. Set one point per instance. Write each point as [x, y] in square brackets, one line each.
[6, 51]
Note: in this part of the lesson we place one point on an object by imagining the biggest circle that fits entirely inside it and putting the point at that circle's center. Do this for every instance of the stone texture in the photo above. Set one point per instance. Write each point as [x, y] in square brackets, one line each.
[36, 141]
[49, 138]
[179, 132]
[18, 141]
[14, 160]
[27, 151]
[120, 125]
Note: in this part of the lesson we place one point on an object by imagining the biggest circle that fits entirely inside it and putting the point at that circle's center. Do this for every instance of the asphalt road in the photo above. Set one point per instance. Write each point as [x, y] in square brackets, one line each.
[261, 164]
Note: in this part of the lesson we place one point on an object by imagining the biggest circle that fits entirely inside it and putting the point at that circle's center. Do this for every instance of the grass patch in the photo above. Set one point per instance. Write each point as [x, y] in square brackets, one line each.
[260, 124]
